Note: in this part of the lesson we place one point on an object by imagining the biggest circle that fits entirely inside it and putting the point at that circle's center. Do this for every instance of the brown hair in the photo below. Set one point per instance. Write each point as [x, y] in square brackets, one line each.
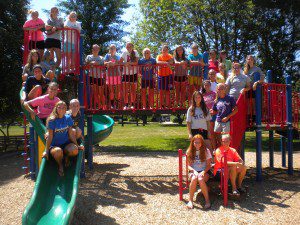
[191, 151]
[202, 104]
[29, 60]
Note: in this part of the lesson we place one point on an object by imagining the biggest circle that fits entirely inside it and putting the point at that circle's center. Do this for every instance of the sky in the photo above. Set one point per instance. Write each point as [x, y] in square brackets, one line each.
[39, 5]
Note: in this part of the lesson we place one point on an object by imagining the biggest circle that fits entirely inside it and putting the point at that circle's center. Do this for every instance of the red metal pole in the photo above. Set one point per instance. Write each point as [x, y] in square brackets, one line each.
[180, 175]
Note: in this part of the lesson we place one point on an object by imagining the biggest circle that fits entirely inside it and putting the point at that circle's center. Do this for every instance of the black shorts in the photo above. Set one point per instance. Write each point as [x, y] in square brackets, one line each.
[180, 78]
[97, 81]
[52, 43]
[129, 78]
[148, 83]
[36, 45]
[61, 146]
[202, 132]
[217, 177]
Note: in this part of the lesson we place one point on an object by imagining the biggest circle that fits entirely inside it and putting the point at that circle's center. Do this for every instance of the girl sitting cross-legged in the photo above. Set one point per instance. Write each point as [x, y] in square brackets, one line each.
[199, 164]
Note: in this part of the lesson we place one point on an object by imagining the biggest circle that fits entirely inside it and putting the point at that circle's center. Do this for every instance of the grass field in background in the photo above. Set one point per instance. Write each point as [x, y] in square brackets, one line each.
[159, 137]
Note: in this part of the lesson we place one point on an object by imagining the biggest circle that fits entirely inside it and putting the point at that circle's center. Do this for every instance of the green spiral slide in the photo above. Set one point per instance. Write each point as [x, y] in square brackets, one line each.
[53, 199]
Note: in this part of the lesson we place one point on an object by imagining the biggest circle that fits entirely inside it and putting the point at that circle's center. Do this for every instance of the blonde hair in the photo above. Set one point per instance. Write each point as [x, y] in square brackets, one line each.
[73, 12]
[146, 49]
[74, 100]
[54, 114]
[31, 11]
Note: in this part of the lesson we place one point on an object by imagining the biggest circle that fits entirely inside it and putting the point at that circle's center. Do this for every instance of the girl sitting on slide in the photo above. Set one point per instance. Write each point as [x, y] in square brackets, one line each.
[199, 164]
[61, 142]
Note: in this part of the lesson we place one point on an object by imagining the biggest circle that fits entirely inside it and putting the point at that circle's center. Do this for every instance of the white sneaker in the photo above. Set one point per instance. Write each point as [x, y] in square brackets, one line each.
[125, 107]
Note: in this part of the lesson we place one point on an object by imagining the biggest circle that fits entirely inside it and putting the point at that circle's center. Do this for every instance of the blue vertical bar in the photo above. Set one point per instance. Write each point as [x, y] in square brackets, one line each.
[81, 100]
[32, 152]
[289, 145]
[271, 148]
[90, 140]
[258, 97]
[283, 152]
[205, 70]
[269, 76]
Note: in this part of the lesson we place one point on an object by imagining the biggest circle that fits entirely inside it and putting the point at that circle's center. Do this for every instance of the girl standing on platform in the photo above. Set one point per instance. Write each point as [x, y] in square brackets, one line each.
[60, 142]
[130, 59]
[165, 78]
[113, 78]
[199, 164]
[36, 37]
[148, 81]
[32, 60]
[180, 75]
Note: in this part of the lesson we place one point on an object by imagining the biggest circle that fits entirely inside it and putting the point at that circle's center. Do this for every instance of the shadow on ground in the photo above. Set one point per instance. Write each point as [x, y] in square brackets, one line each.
[104, 186]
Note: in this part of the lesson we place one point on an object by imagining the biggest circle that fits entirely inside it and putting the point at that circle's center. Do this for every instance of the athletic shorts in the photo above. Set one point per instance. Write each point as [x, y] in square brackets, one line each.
[208, 172]
[202, 132]
[148, 83]
[195, 80]
[180, 78]
[97, 81]
[217, 177]
[69, 47]
[165, 83]
[52, 43]
[129, 78]
[221, 127]
[36, 45]
[63, 146]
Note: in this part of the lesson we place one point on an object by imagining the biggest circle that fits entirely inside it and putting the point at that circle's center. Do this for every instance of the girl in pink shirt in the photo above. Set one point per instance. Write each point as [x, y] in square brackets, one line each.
[36, 37]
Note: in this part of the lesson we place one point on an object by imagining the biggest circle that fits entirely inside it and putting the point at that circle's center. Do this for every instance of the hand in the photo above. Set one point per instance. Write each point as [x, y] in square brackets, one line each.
[225, 119]
[81, 147]
[32, 115]
[53, 29]
[190, 136]
[211, 111]
[196, 173]
[22, 101]
[242, 91]
[45, 155]
[202, 173]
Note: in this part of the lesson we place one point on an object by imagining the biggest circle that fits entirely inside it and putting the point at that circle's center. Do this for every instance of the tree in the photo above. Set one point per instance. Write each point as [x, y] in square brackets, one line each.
[267, 29]
[12, 18]
[101, 20]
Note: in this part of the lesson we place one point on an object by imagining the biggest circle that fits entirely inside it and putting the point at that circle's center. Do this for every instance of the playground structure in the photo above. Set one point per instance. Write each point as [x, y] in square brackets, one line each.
[60, 193]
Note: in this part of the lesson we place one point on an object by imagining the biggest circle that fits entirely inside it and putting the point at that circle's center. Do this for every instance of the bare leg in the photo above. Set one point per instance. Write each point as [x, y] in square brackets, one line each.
[241, 170]
[203, 186]
[192, 188]
[35, 92]
[57, 154]
[70, 150]
[232, 176]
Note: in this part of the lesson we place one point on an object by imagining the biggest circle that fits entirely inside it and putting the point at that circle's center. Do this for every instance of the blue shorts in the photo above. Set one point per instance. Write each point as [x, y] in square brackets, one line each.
[69, 47]
[221, 127]
[165, 83]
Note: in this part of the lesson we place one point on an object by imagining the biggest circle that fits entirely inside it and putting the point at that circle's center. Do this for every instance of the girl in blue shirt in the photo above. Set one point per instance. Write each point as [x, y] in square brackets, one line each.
[61, 141]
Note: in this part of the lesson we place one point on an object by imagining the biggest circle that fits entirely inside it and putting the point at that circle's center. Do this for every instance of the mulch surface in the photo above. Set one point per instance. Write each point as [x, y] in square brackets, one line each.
[142, 188]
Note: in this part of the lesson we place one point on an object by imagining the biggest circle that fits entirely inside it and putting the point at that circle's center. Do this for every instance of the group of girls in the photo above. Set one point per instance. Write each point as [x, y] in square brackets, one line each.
[63, 137]
[52, 28]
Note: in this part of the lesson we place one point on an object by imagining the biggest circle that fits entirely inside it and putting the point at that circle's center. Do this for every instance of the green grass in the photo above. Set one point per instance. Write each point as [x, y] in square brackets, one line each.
[158, 137]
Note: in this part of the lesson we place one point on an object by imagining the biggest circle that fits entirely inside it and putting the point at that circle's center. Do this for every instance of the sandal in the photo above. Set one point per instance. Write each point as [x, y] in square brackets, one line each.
[190, 205]
[236, 193]
[207, 205]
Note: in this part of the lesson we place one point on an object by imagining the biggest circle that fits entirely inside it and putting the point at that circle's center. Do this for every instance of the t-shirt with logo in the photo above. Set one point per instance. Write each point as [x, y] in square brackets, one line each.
[224, 107]
[147, 69]
[129, 70]
[197, 164]
[198, 120]
[58, 23]
[213, 65]
[35, 35]
[231, 153]
[209, 99]
[112, 71]
[60, 127]
[195, 70]
[76, 118]
[44, 105]
[164, 70]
